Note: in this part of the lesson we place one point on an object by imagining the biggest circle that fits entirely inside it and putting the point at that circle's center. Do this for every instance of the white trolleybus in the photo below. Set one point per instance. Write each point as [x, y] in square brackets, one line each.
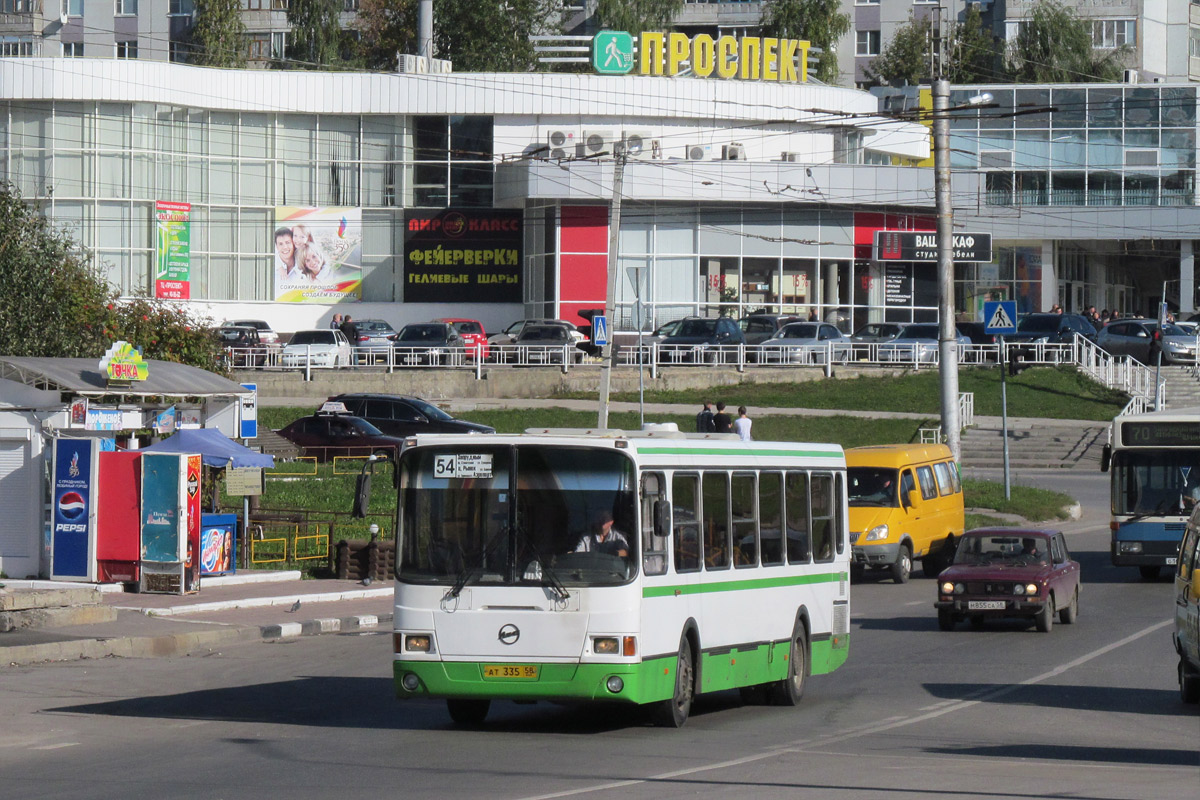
[1154, 459]
[637, 567]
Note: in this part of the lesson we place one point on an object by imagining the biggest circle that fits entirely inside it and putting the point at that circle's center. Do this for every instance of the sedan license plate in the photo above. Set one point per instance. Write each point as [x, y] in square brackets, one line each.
[512, 672]
[1172, 561]
[985, 605]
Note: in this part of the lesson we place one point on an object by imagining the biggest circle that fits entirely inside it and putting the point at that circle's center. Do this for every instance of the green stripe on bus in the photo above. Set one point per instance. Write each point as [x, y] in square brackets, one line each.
[742, 585]
[724, 451]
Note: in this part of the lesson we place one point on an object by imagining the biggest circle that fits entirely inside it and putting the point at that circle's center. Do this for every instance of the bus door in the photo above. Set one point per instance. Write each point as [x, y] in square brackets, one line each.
[672, 603]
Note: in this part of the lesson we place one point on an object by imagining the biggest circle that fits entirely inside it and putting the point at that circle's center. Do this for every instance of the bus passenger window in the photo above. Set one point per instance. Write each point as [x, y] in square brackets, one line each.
[925, 478]
[745, 521]
[770, 498]
[942, 470]
[796, 509]
[716, 520]
[838, 516]
[685, 529]
[654, 558]
[822, 517]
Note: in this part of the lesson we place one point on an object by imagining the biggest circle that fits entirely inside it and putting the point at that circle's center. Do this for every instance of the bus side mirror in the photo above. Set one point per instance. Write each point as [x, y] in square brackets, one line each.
[910, 498]
[662, 518]
[1105, 457]
[362, 495]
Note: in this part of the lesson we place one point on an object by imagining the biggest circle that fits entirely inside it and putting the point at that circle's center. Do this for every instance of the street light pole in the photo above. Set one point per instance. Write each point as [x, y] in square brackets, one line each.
[947, 333]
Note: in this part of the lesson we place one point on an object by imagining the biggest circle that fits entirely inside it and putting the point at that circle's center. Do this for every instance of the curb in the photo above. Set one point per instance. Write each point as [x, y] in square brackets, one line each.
[259, 602]
[182, 643]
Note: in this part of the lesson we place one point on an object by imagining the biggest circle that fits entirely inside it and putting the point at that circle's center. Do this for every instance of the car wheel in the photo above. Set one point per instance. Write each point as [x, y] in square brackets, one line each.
[1149, 573]
[1069, 612]
[788, 691]
[946, 619]
[1045, 617]
[468, 712]
[673, 712]
[1189, 684]
[901, 568]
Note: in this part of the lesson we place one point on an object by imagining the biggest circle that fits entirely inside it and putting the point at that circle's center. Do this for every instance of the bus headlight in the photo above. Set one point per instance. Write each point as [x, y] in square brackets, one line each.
[417, 643]
[614, 684]
[876, 533]
[1129, 547]
[410, 682]
[606, 645]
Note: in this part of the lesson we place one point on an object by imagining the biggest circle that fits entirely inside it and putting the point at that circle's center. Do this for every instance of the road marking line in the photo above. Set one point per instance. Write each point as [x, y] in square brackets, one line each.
[886, 725]
[916, 603]
[55, 746]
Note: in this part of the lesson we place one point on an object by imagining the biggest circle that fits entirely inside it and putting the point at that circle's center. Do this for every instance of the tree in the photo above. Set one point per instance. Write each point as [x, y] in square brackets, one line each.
[72, 312]
[1055, 46]
[218, 35]
[970, 53]
[636, 16]
[821, 22]
[477, 35]
[316, 36]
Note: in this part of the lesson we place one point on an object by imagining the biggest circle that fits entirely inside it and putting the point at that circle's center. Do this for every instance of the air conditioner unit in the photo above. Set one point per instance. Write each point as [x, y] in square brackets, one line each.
[1141, 158]
[637, 143]
[1129, 76]
[995, 159]
[733, 152]
[596, 142]
[697, 152]
[788, 155]
[560, 144]
[1158, 79]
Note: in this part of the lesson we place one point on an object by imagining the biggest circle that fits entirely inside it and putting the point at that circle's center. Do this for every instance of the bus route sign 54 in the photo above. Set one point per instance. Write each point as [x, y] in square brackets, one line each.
[923, 246]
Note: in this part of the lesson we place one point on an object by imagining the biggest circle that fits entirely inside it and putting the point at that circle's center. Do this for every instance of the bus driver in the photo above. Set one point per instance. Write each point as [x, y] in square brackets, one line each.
[604, 539]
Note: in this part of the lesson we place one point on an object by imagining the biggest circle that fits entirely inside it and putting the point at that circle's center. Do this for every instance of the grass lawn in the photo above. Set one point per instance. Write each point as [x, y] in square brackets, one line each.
[1052, 392]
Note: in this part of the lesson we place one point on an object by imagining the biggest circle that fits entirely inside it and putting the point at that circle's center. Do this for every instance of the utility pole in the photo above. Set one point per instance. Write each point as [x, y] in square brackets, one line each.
[947, 333]
[610, 297]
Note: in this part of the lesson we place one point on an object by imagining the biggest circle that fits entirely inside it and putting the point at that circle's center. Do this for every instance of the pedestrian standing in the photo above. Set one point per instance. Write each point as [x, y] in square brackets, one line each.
[722, 422]
[350, 329]
[742, 424]
[337, 321]
[704, 420]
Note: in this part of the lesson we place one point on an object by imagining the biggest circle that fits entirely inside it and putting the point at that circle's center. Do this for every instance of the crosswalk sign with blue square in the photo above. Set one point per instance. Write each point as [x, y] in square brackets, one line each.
[599, 330]
[1000, 316]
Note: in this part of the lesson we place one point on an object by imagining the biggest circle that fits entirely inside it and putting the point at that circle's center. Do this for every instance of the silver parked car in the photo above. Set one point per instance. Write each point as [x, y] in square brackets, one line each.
[1140, 338]
[805, 343]
[917, 344]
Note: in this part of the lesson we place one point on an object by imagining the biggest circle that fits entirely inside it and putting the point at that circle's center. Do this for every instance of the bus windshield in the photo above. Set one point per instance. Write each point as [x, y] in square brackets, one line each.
[1156, 482]
[871, 486]
[541, 515]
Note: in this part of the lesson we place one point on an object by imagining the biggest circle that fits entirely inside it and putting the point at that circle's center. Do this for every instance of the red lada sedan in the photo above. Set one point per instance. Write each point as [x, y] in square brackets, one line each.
[1009, 572]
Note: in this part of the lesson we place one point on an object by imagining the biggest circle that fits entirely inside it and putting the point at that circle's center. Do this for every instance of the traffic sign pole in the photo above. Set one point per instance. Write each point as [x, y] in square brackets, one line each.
[1004, 416]
[999, 318]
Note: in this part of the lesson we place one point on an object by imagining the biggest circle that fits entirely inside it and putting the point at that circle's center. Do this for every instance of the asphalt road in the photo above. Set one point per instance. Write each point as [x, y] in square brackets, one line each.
[1089, 710]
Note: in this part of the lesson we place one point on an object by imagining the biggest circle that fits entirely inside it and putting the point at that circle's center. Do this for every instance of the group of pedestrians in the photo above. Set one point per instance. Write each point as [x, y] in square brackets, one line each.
[346, 325]
[721, 422]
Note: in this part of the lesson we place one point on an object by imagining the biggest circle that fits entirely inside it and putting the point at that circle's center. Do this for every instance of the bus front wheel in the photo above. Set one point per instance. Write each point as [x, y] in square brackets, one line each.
[788, 691]
[673, 712]
[468, 712]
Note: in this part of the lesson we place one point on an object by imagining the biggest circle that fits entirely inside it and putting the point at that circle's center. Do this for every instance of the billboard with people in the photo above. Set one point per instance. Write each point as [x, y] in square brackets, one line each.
[318, 254]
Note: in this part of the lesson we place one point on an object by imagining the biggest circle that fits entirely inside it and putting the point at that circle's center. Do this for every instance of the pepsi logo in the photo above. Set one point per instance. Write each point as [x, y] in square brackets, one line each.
[71, 505]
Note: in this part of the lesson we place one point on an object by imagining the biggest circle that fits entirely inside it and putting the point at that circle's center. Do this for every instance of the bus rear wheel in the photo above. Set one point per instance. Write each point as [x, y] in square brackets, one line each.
[788, 691]
[468, 712]
[673, 712]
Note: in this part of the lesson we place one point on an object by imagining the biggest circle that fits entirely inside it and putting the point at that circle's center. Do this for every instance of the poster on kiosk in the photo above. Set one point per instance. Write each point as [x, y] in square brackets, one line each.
[73, 536]
[170, 523]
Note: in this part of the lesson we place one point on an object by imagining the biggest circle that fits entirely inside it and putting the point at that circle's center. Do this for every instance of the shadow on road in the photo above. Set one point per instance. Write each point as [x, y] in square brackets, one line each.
[1131, 756]
[1110, 699]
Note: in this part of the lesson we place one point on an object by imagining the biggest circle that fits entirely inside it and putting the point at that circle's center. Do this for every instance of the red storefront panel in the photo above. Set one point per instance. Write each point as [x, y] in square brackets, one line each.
[583, 260]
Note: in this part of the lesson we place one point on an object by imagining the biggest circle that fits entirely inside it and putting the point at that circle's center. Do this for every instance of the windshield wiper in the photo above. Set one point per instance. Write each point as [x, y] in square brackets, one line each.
[468, 573]
[560, 589]
[1162, 508]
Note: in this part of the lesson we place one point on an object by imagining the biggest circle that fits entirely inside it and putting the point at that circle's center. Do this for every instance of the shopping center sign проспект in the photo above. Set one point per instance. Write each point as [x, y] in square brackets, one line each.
[748, 58]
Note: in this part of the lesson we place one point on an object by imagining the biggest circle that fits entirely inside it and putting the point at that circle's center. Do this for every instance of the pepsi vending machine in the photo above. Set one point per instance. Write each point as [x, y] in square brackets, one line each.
[170, 523]
[73, 530]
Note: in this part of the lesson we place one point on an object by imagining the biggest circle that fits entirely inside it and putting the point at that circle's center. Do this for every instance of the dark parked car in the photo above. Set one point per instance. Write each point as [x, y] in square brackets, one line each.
[1034, 329]
[976, 332]
[1009, 572]
[375, 338]
[325, 436]
[430, 343]
[242, 345]
[697, 339]
[545, 344]
[1141, 339]
[404, 415]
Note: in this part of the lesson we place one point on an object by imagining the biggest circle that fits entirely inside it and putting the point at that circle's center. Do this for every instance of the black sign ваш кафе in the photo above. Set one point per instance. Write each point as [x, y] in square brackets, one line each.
[462, 255]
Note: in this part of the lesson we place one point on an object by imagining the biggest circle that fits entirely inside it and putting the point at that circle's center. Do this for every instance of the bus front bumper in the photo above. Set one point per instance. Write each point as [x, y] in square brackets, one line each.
[634, 683]
[1134, 554]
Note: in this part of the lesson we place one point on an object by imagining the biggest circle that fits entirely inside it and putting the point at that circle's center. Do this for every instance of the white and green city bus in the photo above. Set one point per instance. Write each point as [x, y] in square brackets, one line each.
[727, 566]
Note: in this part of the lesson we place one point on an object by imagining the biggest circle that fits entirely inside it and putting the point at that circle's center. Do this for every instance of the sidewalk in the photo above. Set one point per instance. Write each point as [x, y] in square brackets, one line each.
[243, 607]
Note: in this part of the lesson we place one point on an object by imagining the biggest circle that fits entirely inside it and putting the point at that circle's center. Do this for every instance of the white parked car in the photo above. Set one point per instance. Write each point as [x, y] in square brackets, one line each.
[917, 344]
[322, 347]
[804, 343]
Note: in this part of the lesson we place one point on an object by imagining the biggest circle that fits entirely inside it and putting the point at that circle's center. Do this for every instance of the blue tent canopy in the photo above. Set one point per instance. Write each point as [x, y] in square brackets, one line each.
[217, 449]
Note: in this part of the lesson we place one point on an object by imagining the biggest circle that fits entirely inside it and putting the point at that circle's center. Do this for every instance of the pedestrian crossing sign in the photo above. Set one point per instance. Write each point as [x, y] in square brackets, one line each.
[599, 330]
[1000, 316]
